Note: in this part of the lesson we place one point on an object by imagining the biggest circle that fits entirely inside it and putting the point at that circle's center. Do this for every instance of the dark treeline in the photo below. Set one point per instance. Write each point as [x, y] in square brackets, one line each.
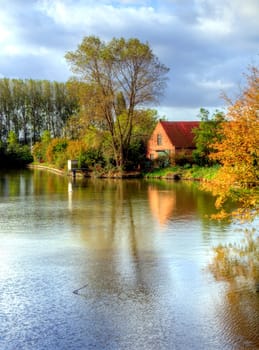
[29, 107]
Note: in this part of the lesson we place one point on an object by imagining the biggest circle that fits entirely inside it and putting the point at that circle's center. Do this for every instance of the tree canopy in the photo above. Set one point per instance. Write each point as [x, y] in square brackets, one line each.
[115, 80]
[208, 132]
[28, 107]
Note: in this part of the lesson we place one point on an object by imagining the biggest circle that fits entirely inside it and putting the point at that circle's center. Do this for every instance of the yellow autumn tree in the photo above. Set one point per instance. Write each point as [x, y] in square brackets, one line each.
[238, 152]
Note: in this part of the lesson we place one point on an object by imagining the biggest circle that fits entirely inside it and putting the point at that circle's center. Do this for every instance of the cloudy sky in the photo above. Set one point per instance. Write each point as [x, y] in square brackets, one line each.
[207, 44]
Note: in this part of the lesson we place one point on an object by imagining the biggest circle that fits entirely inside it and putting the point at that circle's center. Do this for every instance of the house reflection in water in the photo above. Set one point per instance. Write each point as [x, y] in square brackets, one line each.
[162, 204]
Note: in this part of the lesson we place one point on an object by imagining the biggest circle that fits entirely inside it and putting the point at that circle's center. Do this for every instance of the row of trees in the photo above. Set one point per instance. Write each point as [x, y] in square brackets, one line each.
[28, 107]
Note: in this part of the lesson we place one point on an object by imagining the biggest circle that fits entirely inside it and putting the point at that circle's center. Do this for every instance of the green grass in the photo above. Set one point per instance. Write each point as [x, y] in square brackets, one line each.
[190, 173]
[163, 172]
[201, 173]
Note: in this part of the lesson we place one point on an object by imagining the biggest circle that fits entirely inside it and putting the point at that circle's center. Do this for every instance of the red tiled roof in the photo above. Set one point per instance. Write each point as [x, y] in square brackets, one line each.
[180, 133]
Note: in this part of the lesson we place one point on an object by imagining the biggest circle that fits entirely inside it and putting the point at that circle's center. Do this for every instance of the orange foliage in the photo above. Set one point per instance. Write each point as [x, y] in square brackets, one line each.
[75, 148]
[55, 149]
[238, 151]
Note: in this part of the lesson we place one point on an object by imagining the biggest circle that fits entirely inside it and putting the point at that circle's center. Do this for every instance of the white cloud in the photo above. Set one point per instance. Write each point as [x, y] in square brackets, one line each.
[217, 84]
[178, 113]
[6, 29]
[67, 15]
[227, 17]
[4, 34]
[218, 27]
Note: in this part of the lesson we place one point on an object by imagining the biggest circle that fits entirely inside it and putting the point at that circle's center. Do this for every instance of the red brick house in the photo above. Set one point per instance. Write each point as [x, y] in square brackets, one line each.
[171, 138]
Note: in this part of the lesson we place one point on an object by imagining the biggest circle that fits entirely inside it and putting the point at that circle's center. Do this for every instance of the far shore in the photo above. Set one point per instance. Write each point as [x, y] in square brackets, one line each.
[175, 173]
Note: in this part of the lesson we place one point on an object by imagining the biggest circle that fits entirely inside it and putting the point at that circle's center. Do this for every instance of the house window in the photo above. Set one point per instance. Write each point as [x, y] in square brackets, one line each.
[159, 139]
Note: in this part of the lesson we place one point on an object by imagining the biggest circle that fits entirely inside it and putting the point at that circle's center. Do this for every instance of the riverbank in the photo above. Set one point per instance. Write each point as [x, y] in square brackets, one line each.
[48, 168]
[195, 173]
[83, 173]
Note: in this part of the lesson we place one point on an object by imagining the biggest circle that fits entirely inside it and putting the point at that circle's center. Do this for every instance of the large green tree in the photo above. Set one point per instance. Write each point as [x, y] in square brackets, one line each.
[120, 77]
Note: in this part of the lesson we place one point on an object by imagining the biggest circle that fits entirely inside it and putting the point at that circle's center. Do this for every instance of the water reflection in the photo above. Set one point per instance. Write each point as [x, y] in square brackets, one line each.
[162, 204]
[22, 183]
[114, 234]
[237, 264]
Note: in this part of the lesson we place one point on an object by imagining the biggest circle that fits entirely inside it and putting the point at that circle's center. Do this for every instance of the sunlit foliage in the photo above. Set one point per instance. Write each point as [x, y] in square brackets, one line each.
[238, 153]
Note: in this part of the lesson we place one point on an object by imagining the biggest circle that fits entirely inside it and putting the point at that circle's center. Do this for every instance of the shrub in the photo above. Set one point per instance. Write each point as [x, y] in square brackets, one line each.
[17, 157]
[91, 157]
[38, 152]
[55, 149]
[75, 150]
[183, 158]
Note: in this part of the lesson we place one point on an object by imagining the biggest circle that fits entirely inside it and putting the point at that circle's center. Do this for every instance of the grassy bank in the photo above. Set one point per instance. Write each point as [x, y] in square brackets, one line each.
[190, 173]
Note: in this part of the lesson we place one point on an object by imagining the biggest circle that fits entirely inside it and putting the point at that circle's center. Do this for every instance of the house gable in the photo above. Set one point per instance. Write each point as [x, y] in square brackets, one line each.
[159, 143]
[170, 137]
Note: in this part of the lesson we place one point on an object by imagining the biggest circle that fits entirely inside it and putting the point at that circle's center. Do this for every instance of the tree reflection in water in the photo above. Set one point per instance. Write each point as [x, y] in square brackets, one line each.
[238, 266]
[238, 263]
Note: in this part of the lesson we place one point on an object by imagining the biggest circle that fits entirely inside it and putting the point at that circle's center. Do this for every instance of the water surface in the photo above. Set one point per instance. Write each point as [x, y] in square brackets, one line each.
[115, 264]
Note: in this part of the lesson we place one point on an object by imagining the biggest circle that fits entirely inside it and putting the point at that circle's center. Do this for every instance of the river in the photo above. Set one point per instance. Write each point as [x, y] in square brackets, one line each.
[116, 265]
